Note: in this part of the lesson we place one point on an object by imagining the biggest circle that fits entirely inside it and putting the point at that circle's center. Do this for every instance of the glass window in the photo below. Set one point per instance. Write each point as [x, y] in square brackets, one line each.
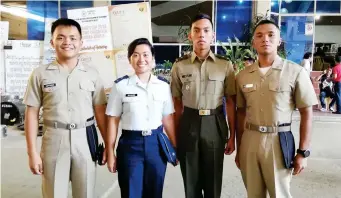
[274, 18]
[70, 5]
[27, 18]
[295, 6]
[323, 6]
[171, 19]
[297, 35]
[163, 54]
[275, 6]
[233, 18]
[125, 2]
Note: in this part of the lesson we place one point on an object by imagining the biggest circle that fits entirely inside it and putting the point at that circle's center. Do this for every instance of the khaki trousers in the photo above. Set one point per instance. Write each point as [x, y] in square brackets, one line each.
[262, 165]
[66, 157]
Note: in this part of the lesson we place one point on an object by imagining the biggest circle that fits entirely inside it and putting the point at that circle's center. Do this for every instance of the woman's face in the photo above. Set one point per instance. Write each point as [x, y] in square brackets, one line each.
[142, 59]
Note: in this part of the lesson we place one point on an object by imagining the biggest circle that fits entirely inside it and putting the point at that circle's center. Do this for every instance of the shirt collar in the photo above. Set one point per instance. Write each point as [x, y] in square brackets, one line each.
[210, 55]
[277, 64]
[55, 65]
[133, 80]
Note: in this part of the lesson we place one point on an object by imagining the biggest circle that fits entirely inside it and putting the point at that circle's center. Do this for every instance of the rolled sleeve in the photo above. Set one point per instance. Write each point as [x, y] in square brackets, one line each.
[230, 82]
[115, 104]
[176, 85]
[305, 95]
[99, 97]
[168, 107]
[33, 95]
[241, 102]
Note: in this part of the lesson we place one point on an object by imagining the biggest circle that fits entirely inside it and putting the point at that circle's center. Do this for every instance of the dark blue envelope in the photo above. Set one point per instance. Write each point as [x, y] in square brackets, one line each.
[167, 148]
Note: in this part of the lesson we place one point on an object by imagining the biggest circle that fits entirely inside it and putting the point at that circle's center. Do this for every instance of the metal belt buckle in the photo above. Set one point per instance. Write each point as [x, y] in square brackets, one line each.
[72, 126]
[204, 112]
[146, 133]
[263, 128]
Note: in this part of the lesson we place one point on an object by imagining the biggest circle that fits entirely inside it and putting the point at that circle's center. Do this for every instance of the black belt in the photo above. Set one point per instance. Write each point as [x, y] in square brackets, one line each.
[204, 112]
[142, 132]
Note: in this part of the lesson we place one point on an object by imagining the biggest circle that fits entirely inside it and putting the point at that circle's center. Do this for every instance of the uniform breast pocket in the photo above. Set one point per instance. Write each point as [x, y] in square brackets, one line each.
[131, 104]
[87, 87]
[281, 95]
[215, 83]
[158, 101]
[51, 93]
[188, 84]
[249, 93]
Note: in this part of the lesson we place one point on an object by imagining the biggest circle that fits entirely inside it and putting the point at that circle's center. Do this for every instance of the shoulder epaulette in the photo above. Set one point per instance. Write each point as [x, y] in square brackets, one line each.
[183, 57]
[221, 57]
[122, 78]
[163, 79]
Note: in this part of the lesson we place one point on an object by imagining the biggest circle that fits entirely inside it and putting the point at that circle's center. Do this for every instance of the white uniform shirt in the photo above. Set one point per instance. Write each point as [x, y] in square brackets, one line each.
[140, 107]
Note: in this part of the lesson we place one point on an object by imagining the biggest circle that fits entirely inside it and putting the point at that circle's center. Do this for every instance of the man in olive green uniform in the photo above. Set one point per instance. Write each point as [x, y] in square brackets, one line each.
[199, 82]
[267, 94]
[70, 94]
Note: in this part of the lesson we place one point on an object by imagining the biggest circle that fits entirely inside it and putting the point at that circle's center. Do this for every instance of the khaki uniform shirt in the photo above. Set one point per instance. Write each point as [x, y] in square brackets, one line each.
[202, 84]
[270, 99]
[66, 97]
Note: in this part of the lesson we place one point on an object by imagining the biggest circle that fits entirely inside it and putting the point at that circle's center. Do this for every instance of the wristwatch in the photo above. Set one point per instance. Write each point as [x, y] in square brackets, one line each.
[304, 153]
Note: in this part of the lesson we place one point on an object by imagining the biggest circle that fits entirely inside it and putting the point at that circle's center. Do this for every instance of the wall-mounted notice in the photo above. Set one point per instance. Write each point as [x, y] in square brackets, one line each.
[122, 64]
[49, 52]
[104, 63]
[21, 57]
[129, 22]
[4, 28]
[95, 25]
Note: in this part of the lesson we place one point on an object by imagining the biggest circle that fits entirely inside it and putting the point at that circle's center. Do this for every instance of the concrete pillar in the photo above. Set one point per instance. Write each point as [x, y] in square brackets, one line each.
[261, 7]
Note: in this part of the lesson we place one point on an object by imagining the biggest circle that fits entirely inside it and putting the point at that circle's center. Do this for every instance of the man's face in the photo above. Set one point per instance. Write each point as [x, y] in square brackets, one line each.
[266, 39]
[67, 41]
[201, 34]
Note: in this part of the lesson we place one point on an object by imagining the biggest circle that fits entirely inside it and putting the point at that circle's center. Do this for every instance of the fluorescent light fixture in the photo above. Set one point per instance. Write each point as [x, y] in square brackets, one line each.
[317, 17]
[21, 13]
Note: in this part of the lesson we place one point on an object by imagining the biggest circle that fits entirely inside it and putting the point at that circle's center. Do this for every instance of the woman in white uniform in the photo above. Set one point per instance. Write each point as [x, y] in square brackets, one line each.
[143, 103]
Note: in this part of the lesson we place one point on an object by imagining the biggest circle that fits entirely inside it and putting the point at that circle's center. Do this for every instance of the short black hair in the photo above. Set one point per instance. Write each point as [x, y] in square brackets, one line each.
[139, 41]
[307, 55]
[263, 22]
[66, 22]
[199, 17]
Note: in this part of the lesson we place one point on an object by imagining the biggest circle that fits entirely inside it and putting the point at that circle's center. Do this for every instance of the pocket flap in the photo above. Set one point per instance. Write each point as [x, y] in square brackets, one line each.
[50, 85]
[246, 89]
[131, 99]
[187, 77]
[216, 76]
[158, 97]
[87, 85]
[275, 86]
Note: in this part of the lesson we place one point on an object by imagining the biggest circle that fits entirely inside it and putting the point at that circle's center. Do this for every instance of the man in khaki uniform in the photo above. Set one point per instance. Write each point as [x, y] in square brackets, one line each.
[267, 94]
[199, 82]
[70, 93]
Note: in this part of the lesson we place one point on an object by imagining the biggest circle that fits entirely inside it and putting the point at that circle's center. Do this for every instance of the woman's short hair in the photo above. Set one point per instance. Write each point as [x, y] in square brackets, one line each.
[139, 41]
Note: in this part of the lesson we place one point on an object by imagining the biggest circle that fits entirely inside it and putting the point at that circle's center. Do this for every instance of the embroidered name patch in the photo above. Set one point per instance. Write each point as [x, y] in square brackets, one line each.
[187, 75]
[131, 95]
[50, 85]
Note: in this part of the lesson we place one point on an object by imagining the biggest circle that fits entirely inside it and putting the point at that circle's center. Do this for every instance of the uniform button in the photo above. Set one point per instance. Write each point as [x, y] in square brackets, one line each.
[70, 94]
[262, 94]
[70, 109]
[261, 110]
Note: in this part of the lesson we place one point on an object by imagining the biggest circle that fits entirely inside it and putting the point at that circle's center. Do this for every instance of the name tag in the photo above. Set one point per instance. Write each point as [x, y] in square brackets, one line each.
[131, 95]
[50, 85]
[187, 75]
[248, 85]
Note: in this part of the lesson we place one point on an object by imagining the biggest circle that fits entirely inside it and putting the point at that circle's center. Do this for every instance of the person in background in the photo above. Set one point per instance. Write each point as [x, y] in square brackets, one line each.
[143, 103]
[337, 84]
[306, 62]
[326, 89]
